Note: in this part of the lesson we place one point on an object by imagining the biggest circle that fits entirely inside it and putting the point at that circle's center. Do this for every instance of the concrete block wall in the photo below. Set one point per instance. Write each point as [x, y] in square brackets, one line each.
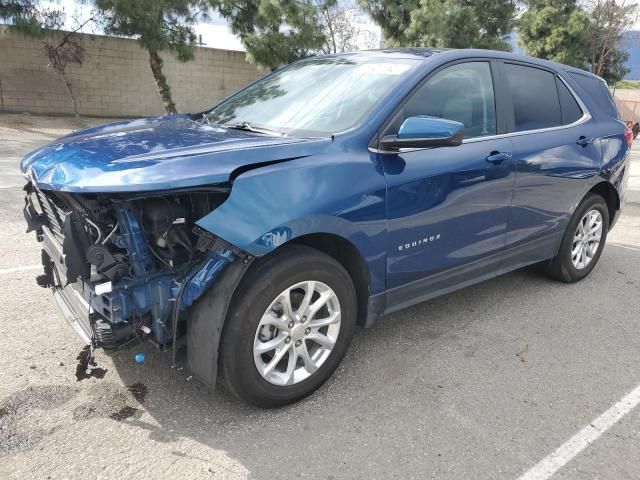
[115, 79]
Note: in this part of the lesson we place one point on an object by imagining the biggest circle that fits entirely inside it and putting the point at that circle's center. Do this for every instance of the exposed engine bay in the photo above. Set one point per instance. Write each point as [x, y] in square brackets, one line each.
[137, 260]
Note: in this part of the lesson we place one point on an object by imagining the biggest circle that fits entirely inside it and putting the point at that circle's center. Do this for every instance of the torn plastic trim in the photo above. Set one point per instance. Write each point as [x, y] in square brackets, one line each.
[34, 219]
[208, 276]
[220, 187]
[206, 321]
[204, 276]
[253, 166]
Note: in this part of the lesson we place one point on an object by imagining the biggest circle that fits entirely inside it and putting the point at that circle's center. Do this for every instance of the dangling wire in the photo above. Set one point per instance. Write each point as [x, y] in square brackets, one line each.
[110, 234]
[88, 220]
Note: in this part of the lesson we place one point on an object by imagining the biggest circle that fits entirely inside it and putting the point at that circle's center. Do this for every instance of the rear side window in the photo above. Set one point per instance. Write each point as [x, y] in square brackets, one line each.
[535, 97]
[599, 92]
[571, 111]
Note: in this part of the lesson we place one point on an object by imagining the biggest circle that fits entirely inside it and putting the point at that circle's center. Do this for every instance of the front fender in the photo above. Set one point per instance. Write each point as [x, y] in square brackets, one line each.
[275, 204]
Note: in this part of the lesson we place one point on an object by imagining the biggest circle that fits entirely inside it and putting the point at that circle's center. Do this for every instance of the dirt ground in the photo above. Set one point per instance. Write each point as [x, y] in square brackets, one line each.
[628, 94]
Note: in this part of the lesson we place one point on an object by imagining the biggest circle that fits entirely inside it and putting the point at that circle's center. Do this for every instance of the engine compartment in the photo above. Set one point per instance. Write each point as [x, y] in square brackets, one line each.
[165, 223]
[137, 259]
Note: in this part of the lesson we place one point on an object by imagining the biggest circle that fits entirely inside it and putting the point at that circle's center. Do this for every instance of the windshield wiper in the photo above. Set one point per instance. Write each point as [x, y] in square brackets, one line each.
[205, 119]
[250, 128]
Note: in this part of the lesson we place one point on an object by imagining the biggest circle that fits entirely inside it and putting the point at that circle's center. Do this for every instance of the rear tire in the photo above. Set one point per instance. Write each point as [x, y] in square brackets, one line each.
[262, 324]
[583, 241]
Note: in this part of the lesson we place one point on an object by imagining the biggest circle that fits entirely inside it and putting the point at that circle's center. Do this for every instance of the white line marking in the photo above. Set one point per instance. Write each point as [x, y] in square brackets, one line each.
[621, 245]
[19, 269]
[585, 437]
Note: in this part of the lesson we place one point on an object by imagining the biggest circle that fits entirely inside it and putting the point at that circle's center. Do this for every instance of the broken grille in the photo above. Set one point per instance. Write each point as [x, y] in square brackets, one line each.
[55, 212]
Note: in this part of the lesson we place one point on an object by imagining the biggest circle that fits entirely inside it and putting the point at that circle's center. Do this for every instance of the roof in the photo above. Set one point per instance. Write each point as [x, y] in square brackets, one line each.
[460, 53]
[429, 54]
[412, 51]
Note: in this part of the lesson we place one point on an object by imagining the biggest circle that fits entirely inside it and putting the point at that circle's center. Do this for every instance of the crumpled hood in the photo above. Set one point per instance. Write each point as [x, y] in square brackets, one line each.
[153, 154]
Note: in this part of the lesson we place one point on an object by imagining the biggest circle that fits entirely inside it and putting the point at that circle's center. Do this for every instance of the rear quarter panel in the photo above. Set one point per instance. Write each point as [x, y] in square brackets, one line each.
[616, 159]
[614, 151]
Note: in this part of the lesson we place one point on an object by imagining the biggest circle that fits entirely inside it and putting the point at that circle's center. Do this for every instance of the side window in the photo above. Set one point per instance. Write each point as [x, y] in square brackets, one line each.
[463, 92]
[571, 111]
[535, 97]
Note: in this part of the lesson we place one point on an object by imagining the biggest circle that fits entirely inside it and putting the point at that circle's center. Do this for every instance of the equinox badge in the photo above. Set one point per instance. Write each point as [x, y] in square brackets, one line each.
[417, 243]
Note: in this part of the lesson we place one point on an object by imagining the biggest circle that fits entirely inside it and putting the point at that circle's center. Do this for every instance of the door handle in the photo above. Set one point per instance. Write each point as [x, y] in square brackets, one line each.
[584, 141]
[498, 157]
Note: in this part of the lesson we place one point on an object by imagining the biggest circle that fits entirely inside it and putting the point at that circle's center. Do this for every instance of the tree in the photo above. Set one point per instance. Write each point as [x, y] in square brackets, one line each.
[462, 24]
[586, 35]
[158, 25]
[609, 20]
[555, 30]
[613, 68]
[343, 32]
[444, 23]
[62, 53]
[31, 18]
[393, 17]
[275, 33]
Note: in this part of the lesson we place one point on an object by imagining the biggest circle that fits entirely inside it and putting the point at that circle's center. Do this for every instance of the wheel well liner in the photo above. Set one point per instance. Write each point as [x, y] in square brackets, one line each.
[610, 196]
[208, 315]
[349, 257]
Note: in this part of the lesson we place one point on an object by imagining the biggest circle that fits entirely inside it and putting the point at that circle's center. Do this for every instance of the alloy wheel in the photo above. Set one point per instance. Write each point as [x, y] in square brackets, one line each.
[586, 239]
[297, 333]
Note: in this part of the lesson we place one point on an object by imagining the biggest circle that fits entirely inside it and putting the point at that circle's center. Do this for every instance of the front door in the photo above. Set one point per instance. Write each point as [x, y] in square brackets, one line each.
[448, 207]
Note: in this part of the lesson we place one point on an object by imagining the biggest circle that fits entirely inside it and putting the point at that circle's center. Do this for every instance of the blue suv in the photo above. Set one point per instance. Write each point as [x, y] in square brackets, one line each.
[254, 236]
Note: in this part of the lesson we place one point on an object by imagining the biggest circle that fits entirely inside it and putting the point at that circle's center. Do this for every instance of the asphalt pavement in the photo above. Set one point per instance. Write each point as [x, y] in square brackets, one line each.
[520, 375]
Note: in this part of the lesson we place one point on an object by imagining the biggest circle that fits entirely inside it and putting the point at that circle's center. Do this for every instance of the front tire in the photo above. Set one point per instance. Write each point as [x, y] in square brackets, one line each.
[583, 241]
[288, 327]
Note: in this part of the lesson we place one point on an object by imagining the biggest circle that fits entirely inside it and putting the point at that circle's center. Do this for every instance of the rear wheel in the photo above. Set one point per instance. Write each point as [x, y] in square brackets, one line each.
[288, 328]
[583, 241]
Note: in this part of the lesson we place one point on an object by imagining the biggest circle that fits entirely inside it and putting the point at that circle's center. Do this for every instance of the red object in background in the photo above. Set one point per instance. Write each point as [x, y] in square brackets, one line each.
[628, 134]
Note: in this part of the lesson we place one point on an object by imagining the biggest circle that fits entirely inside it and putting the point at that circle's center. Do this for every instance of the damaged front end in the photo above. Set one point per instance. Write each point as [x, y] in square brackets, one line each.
[123, 267]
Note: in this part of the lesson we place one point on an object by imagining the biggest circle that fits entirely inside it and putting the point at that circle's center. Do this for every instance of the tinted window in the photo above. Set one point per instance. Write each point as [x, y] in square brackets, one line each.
[535, 97]
[571, 111]
[598, 90]
[463, 93]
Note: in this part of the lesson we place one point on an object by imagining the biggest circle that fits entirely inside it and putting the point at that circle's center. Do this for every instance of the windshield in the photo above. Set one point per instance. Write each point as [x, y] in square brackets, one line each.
[314, 97]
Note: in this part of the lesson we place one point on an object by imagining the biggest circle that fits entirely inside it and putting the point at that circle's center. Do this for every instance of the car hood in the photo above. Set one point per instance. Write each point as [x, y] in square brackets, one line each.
[154, 154]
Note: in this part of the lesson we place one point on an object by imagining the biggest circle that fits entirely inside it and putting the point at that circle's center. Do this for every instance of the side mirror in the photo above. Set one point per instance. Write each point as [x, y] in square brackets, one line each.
[424, 132]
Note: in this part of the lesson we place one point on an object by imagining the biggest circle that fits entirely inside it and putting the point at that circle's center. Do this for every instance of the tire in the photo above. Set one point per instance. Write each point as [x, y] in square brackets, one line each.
[261, 298]
[562, 267]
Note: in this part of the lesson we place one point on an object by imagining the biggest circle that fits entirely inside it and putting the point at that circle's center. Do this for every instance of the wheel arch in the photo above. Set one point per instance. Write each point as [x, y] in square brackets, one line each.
[348, 255]
[611, 197]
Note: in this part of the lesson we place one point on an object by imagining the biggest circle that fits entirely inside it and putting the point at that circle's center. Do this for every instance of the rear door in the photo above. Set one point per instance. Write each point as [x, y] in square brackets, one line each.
[555, 149]
[448, 207]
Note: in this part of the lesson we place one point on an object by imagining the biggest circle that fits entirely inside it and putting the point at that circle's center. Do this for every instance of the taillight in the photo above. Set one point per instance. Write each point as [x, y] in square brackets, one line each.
[628, 135]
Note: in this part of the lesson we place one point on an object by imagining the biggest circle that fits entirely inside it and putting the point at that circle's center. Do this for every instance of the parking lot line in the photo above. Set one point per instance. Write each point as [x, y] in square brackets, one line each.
[585, 437]
[19, 269]
[622, 245]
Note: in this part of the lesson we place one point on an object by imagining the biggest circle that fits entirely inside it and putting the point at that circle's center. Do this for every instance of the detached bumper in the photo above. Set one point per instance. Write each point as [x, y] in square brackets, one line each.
[75, 311]
[74, 308]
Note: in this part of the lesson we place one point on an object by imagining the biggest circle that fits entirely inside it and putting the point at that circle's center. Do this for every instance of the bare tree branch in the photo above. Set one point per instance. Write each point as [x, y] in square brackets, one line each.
[344, 29]
[610, 19]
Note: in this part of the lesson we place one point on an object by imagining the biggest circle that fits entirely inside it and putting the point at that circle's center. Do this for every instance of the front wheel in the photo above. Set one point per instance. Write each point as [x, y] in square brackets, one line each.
[583, 241]
[288, 327]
